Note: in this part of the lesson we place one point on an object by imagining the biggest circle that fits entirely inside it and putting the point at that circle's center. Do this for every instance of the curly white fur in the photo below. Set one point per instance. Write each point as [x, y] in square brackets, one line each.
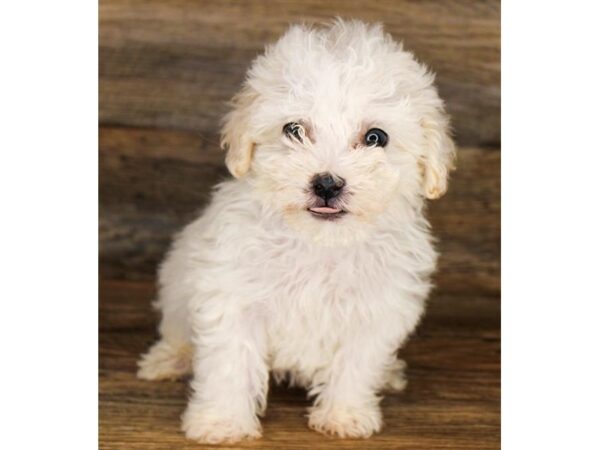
[258, 285]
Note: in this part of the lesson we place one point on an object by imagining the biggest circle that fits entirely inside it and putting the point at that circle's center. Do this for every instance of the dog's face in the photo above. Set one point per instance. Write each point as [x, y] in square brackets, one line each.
[333, 124]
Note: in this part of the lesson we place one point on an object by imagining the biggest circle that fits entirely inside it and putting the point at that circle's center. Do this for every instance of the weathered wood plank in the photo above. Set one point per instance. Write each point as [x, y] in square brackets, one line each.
[451, 402]
[153, 182]
[174, 64]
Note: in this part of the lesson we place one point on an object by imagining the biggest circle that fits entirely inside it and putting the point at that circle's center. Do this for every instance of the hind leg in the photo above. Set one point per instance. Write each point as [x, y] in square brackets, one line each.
[396, 378]
[171, 356]
[165, 362]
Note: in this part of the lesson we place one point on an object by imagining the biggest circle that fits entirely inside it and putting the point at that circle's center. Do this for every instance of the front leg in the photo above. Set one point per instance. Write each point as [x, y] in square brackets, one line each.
[347, 404]
[230, 375]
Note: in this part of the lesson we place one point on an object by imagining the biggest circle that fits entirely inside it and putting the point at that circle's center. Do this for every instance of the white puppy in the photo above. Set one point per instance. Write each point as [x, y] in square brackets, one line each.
[314, 263]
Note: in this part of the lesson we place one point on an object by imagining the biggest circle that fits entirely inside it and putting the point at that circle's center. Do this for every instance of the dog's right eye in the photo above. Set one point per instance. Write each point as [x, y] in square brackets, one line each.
[294, 130]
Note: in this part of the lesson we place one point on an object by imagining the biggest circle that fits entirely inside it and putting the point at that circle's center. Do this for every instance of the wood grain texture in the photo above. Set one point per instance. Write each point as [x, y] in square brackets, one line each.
[153, 182]
[452, 400]
[167, 68]
[174, 64]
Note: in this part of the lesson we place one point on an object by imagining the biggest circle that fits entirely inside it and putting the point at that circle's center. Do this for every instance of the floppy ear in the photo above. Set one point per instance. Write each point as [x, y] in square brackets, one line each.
[439, 155]
[236, 136]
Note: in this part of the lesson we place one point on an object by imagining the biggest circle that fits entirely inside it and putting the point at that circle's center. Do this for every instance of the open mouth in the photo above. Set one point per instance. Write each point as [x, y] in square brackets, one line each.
[326, 212]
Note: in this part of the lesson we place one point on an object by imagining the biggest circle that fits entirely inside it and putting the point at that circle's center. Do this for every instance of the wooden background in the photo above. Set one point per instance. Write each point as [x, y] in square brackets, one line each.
[166, 70]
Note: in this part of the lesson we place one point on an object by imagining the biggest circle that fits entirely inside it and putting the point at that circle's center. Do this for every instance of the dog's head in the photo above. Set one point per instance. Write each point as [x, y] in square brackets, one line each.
[332, 124]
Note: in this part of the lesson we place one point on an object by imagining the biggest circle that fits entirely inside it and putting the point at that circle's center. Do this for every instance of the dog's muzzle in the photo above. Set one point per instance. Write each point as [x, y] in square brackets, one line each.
[327, 187]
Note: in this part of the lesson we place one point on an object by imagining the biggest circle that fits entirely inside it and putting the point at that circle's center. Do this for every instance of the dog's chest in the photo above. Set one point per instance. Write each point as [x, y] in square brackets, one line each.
[296, 274]
[312, 298]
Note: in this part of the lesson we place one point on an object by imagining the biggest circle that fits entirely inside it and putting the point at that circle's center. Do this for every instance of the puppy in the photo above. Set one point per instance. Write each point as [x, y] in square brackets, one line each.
[312, 265]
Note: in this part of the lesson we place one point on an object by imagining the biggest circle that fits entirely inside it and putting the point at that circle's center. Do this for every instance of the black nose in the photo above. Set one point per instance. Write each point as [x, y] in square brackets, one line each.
[327, 186]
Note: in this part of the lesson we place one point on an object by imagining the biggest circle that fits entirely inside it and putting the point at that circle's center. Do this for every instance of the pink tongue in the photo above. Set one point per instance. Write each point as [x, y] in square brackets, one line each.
[325, 210]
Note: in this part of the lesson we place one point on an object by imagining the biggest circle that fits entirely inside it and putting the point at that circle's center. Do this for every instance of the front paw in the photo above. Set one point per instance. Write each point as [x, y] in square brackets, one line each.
[346, 422]
[215, 428]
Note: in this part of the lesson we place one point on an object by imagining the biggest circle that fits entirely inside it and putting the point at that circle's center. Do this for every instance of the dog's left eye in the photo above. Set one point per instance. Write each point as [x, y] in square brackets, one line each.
[376, 137]
[294, 130]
